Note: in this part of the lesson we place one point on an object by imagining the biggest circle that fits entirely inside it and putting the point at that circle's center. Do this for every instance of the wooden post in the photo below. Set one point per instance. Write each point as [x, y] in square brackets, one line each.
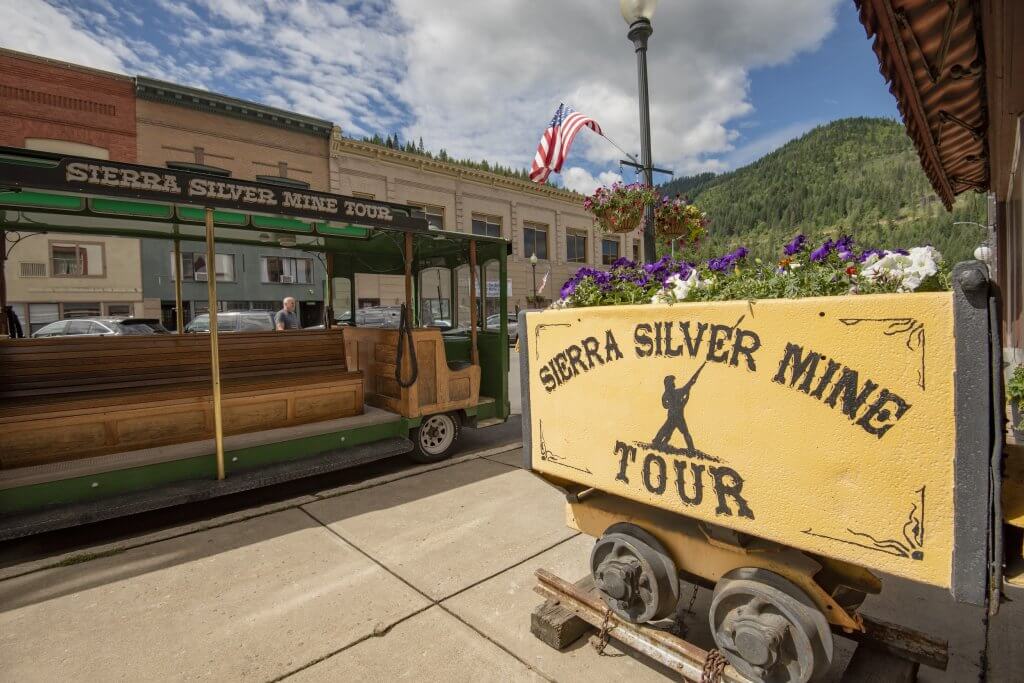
[211, 289]
[474, 353]
[408, 277]
[179, 314]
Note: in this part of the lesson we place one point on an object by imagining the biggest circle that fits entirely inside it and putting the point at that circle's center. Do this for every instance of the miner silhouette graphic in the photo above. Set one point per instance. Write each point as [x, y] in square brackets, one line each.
[674, 401]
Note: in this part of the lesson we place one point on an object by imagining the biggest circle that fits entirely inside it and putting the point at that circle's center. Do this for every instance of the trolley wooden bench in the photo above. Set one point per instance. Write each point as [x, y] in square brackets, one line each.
[69, 398]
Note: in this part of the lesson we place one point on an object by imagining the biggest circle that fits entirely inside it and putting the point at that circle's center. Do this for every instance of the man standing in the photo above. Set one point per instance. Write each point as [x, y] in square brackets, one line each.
[285, 319]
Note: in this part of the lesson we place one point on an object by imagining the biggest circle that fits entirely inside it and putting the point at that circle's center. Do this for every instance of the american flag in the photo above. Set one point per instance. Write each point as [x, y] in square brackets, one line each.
[554, 144]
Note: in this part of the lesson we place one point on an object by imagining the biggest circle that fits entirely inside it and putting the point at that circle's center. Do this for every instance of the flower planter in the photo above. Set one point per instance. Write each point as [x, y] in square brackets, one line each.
[623, 221]
[824, 424]
[619, 208]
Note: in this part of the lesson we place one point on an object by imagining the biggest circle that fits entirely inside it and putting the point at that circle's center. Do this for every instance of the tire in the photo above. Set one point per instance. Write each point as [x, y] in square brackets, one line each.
[435, 438]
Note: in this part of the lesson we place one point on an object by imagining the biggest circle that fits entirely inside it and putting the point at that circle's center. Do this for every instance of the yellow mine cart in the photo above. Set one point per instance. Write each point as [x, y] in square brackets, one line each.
[781, 451]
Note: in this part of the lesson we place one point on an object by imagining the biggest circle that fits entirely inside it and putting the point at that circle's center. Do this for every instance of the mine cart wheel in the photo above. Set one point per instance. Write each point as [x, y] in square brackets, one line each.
[435, 437]
[768, 628]
[635, 575]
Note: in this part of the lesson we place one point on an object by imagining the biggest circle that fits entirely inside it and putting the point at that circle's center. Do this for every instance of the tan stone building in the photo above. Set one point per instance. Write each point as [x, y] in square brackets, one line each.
[539, 219]
[208, 132]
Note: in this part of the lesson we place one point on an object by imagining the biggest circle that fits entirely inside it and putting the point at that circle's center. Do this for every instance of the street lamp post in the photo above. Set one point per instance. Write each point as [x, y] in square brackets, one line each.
[533, 265]
[637, 14]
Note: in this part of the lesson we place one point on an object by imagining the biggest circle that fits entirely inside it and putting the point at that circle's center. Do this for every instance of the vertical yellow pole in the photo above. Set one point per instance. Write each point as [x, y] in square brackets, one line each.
[474, 353]
[179, 314]
[211, 289]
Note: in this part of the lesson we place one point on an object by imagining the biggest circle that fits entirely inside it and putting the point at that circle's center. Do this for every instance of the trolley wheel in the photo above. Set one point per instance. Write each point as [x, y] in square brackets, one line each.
[634, 573]
[434, 439]
[768, 628]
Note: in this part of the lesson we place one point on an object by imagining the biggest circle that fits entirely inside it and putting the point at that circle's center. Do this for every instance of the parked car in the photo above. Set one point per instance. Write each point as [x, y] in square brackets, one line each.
[234, 321]
[378, 316]
[493, 322]
[98, 327]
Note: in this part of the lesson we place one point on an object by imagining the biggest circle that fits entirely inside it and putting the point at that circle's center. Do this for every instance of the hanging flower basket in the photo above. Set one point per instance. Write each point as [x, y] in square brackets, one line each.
[677, 220]
[620, 208]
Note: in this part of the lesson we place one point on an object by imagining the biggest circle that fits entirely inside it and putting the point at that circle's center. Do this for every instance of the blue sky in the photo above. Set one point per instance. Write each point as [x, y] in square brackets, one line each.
[731, 79]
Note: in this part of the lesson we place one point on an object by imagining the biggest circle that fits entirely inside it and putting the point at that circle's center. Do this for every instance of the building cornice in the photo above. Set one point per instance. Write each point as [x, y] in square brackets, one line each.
[46, 61]
[343, 145]
[214, 103]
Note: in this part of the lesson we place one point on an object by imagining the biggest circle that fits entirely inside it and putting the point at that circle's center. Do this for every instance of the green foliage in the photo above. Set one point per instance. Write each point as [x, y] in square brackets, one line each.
[392, 142]
[1015, 387]
[857, 176]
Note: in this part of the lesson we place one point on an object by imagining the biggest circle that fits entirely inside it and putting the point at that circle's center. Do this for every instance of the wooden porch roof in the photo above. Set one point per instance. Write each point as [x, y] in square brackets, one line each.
[931, 53]
[954, 67]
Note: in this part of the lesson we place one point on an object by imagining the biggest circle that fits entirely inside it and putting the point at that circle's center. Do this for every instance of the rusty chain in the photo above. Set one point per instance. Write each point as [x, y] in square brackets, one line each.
[678, 626]
[605, 633]
[714, 665]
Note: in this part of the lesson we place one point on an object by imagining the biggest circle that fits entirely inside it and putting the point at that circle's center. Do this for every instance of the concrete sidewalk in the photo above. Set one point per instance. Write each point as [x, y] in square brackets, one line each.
[426, 575]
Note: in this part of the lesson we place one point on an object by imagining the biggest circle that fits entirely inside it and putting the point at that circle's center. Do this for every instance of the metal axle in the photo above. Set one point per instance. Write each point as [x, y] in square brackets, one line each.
[673, 652]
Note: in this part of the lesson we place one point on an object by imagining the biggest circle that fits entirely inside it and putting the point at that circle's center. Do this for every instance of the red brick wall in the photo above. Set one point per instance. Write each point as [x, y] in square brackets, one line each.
[40, 98]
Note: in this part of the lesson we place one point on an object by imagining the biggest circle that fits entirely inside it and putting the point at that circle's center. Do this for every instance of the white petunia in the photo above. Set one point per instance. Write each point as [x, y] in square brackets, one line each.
[909, 270]
[677, 288]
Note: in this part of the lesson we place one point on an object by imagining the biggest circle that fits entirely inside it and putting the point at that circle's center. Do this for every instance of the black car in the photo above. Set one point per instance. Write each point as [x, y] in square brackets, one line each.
[99, 327]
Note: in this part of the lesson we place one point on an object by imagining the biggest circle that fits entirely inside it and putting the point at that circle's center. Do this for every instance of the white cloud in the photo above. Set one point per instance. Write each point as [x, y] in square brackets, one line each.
[582, 181]
[480, 83]
[36, 27]
[480, 79]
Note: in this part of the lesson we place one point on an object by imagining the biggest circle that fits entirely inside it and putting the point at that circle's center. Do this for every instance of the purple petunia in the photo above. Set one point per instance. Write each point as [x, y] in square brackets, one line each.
[822, 252]
[724, 264]
[623, 262]
[795, 245]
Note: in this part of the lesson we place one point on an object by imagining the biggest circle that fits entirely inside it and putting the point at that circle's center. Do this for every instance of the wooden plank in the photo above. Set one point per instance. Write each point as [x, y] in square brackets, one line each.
[148, 392]
[68, 437]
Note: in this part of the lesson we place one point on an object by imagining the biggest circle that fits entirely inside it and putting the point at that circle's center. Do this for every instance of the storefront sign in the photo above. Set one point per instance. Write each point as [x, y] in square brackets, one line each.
[128, 181]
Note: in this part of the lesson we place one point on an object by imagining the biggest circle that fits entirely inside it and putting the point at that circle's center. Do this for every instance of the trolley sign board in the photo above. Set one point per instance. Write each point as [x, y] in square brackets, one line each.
[825, 424]
[130, 181]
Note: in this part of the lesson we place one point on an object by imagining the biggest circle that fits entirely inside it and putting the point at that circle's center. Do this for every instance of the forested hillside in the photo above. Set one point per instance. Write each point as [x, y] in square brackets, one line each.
[859, 176]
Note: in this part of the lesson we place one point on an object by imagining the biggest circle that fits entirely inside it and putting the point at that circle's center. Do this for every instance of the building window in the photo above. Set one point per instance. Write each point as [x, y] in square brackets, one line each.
[535, 240]
[636, 251]
[80, 310]
[39, 316]
[285, 270]
[576, 247]
[489, 226]
[433, 214]
[119, 310]
[609, 251]
[76, 259]
[193, 267]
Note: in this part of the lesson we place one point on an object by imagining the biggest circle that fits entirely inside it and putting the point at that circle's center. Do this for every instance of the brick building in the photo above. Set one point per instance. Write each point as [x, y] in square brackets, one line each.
[58, 107]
